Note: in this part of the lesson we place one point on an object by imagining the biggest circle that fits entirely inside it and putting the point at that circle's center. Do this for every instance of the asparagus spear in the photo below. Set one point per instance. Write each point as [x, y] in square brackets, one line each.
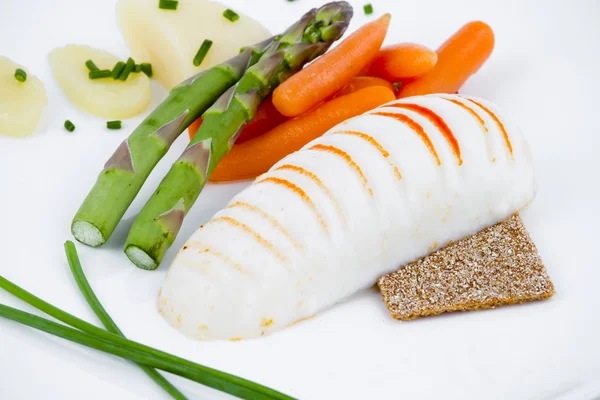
[128, 168]
[157, 225]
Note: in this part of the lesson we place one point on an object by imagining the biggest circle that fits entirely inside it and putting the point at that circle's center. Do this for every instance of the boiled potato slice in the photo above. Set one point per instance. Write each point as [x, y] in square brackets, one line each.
[21, 103]
[104, 97]
[170, 39]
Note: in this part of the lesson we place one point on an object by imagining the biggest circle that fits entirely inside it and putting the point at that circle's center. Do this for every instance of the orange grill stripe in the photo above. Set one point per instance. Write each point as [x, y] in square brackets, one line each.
[346, 157]
[315, 179]
[415, 127]
[294, 188]
[206, 249]
[498, 122]
[481, 123]
[265, 243]
[375, 144]
[436, 120]
[469, 110]
[272, 220]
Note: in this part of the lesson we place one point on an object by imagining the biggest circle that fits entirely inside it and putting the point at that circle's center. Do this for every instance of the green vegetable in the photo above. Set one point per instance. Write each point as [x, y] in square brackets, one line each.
[97, 338]
[69, 126]
[99, 74]
[113, 124]
[231, 15]
[202, 51]
[157, 225]
[20, 75]
[107, 321]
[91, 66]
[147, 69]
[368, 9]
[129, 67]
[138, 68]
[126, 171]
[117, 70]
[168, 4]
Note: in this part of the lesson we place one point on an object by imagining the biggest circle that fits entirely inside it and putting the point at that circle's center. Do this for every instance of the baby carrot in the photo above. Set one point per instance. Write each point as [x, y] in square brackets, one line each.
[361, 82]
[266, 118]
[401, 61]
[250, 159]
[458, 58]
[193, 128]
[332, 71]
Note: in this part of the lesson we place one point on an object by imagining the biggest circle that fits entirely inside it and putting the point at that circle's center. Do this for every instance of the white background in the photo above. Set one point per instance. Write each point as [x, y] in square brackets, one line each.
[544, 72]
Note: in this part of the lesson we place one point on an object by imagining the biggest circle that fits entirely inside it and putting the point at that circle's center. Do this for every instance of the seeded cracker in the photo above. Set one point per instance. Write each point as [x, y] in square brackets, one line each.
[497, 266]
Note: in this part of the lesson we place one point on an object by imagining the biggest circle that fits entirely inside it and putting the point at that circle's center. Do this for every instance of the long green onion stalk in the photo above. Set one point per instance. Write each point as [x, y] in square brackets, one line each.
[91, 336]
[107, 321]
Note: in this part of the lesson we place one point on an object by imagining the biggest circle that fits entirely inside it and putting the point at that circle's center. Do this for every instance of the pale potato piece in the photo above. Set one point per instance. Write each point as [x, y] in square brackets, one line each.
[21, 103]
[170, 39]
[104, 97]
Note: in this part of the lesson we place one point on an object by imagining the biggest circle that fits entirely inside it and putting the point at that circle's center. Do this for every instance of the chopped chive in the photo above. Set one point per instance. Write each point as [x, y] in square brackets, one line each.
[368, 9]
[147, 69]
[129, 66]
[20, 75]
[91, 66]
[202, 51]
[113, 124]
[101, 73]
[137, 68]
[69, 126]
[231, 15]
[117, 70]
[168, 4]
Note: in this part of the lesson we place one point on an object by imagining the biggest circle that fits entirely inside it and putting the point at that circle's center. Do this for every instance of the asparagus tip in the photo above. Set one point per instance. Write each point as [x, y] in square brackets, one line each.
[87, 233]
[140, 258]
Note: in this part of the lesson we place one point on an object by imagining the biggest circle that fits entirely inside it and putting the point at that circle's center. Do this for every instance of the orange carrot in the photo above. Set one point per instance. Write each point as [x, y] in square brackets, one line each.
[332, 71]
[401, 61]
[361, 82]
[458, 58]
[267, 117]
[193, 128]
[252, 158]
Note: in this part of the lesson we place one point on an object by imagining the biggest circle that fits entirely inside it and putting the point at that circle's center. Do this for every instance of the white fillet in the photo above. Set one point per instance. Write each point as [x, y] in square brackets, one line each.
[362, 200]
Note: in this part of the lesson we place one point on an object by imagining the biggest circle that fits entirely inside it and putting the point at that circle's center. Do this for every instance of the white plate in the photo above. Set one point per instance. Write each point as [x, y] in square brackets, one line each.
[544, 72]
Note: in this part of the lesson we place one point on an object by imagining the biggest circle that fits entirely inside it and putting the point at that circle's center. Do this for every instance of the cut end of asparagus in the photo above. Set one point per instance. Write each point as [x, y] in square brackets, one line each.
[140, 258]
[87, 233]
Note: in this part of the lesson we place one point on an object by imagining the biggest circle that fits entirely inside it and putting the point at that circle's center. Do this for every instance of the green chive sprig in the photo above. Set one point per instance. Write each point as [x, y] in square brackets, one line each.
[368, 9]
[231, 15]
[69, 126]
[168, 4]
[202, 52]
[113, 124]
[20, 75]
[99, 74]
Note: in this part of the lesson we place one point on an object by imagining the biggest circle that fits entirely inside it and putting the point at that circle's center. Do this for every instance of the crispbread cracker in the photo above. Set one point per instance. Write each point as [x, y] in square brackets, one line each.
[498, 266]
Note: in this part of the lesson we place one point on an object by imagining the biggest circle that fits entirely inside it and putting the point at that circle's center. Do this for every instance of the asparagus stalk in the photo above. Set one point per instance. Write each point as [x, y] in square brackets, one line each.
[128, 168]
[155, 228]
